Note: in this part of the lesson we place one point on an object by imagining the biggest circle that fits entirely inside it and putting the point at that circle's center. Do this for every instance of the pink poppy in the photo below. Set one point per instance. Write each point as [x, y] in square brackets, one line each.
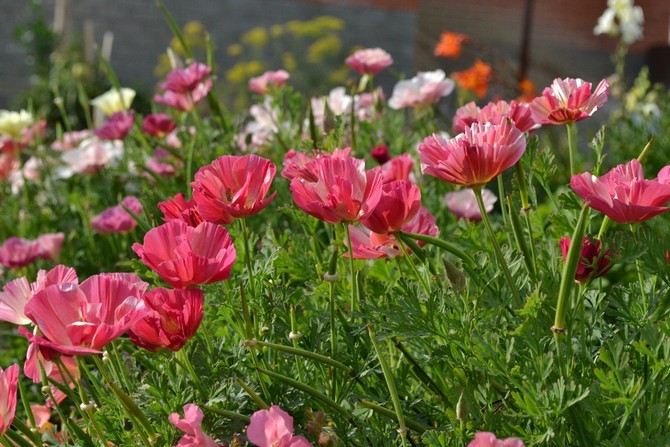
[232, 187]
[176, 208]
[184, 101]
[41, 415]
[623, 194]
[274, 428]
[485, 439]
[424, 89]
[568, 100]
[186, 87]
[175, 315]
[296, 163]
[474, 157]
[158, 125]
[18, 252]
[191, 426]
[464, 204]
[158, 163]
[369, 61]
[49, 245]
[116, 219]
[465, 116]
[13, 299]
[400, 201]
[81, 319]
[117, 126]
[90, 156]
[9, 381]
[268, 81]
[398, 168]
[381, 154]
[593, 262]
[343, 191]
[186, 256]
[70, 140]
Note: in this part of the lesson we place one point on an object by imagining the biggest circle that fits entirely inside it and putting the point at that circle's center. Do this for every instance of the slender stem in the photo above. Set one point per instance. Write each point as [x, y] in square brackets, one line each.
[247, 255]
[250, 335]
[331, 277]
[520, 240]
[443, 245]
[501, 194]
[638, 267]
[571, 147]
[526, 208]
[255, 397]
[302, 353]
[352, 270]
[184, 360]
[496, 247]
[419, 276]
[603, 227]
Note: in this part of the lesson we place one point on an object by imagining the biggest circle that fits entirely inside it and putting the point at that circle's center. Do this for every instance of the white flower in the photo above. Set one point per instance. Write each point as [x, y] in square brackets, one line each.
[91, 156]
[621, 19]
[111, 101]
[339, 102]
[13, 123]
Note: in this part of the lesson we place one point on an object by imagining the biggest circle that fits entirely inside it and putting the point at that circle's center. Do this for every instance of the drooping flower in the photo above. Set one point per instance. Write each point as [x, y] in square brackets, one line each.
[185, 256]
[274, 428]
[116, 219]
[474, 157]
[233, 187]
[9, 381]
[568, 100]
[158, 125]
[623, 194]
[464, 204]
[176, 208]
[81, 319]
[423, 89]
[369, 61]
[400, 201]
[117, 126]
[475, 78]
[174, 317]
[114, 100]
[191, 426]
[593, 261]
[268, 81]
[450, 45]
[184, 88]
[341, 191]
[486, 439]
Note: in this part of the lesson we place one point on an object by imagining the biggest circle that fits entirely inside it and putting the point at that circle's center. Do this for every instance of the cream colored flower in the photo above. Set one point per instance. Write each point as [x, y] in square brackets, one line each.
[111, 101]
[13, 123]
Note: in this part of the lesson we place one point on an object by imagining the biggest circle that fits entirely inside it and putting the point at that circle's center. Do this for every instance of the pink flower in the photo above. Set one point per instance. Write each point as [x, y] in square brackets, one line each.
[398, 168]
[70, 140]
[116, 219]
[185, 256]
[464, 204]
[18, 252]
[157, 163]
[485, 439]
[8, 165]
[176, 208]
[369, 61]
[184, 88]
[49, 245]
[81, 319]
[116, 127]
[465, 116]
[423, 89]
[381, 154]
[232, 187]
[91, 156]
[495, 113]
[296, 164]
[399, 202]
[568, 100]
[592, 261]
[158, 125]
[474, 157]
[9, 381]
[274, 428]
[190, 425]
[175, 315]
[268, 81]
[42, 356]
[623, 194]
[343, 191]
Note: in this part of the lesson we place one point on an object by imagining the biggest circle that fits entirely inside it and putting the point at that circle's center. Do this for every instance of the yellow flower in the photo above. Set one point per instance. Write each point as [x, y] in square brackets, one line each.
[256, 37]
[276, 31]
[323, 47]
[13, 123]
[289, 61]
[111, 102]
[235, 49]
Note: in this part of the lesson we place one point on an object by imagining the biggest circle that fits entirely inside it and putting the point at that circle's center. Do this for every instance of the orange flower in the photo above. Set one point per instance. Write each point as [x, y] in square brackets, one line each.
[450, 44]
[475, 78]
[527, 90]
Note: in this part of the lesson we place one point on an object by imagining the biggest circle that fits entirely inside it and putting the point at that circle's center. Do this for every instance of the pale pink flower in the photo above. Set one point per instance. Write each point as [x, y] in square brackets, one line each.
[274, 428]
[465, 116]
[13, 299]
[568, 100]
[49, 245]
[186, 87]
[116, 219]
[41, 415]
[485, 439]
[369, 61]
[158, 163]
[268, 81]
[9, 381]
[191, 426]
[423, 89]
[71, 140]
[464, 204]
[91, 156]
[339, 102]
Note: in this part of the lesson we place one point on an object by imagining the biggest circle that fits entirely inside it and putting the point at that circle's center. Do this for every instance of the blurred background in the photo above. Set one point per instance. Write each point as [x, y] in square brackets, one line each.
[47, 44]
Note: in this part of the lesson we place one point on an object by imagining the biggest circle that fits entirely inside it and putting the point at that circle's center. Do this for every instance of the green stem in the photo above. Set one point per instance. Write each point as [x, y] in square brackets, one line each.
[638, 267]
[183, 359]
[226, 413]
[419, 276]
[250, 335]
[247, 255]
[520, 240]
[417, 426]
[526, 208]
[302, 353]
[571, 148]
[419, 371]
[442, 244]
[254, 396]
[501, 194]
[352, 270]
[496, 247]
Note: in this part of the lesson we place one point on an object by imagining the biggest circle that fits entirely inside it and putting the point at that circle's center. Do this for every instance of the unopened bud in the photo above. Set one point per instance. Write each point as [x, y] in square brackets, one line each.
[45, 389]
[462, 407]
[331, 278]
[87, 407]
[294, 335]
[250, 343]
[264, 329]
[455, 277]
[105, 356]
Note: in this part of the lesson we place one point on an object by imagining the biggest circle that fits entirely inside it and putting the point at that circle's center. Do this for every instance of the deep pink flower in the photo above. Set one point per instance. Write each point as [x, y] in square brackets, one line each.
[158, 163]
[185, 256]
[158, 125]
[232, 187]
[9, 381]
[117, 126]
[593, 262]
[274, 428]
[184, 101]
[342, 192]
[369, 61]
[18, 252]
[623, 194]
[268, 81]
[399, 202]
[568, 100]
[186, 87]
[176, 208]
[296, 164]
[485, 439]
[116, 219]
[398, 168]
[191, 426]
[8, 164]
[474, 157]
[424, 89]
[464, 204]
[175, 315]
[518, 112]
[81, 319]
[381, 154]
